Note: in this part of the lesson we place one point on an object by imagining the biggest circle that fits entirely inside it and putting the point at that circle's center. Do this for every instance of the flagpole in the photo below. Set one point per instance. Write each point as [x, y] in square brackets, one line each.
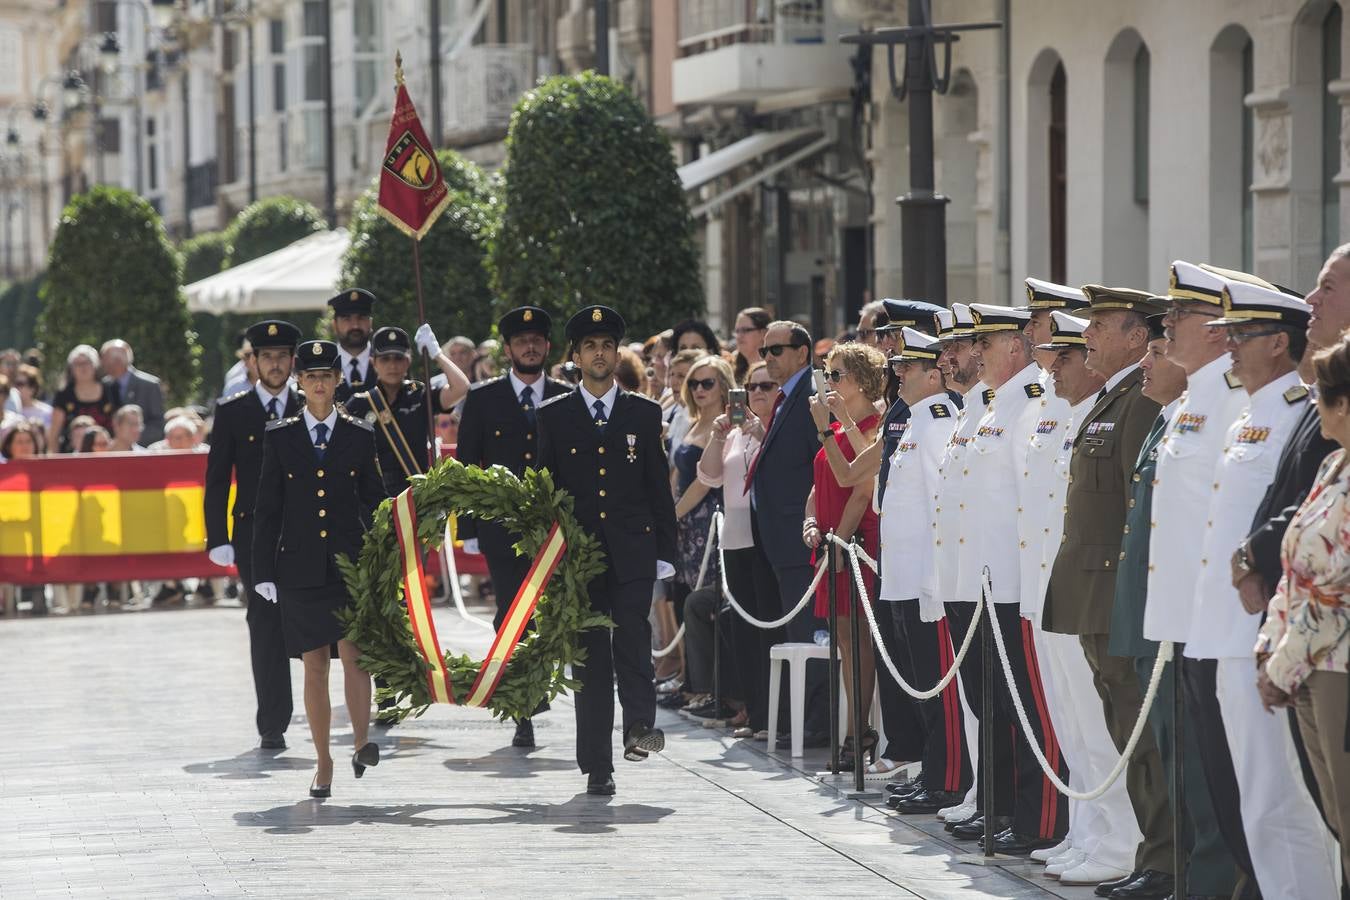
[426, 357]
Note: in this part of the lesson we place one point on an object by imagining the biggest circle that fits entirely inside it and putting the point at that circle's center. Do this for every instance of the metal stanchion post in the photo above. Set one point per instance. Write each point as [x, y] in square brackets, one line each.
[855, 637]
[717, 643]
[1178, 778]
[831, 554]
[988, 654]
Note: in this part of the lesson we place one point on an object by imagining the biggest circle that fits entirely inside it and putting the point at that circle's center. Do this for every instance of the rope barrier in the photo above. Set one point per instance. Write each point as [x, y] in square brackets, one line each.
[1165, 652]
[702, 573]
[716, 526]
[879, 643]
[452, 577]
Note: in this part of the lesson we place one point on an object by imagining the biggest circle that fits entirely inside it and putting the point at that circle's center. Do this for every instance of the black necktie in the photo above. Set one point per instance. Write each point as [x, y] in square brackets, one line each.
[272, 408]
[1100, 395]
[320, 440]
[599, 407]
[527, 403]
[356, 372]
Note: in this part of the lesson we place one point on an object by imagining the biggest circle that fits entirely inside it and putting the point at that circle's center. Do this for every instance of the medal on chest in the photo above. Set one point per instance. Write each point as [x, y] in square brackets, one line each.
[1190, 422]
[632, 447]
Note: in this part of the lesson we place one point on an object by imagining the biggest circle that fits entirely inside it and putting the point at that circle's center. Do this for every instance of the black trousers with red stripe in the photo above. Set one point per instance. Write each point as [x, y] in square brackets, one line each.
[1020, 787]
[928, 645]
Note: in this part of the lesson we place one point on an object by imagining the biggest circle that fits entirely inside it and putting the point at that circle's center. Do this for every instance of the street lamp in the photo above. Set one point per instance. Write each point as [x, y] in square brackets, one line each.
[73, 90]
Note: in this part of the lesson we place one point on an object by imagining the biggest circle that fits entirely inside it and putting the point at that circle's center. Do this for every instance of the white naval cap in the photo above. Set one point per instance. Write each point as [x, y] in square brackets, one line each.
[1048, 295]
[989, 318]
[1203, 283]
[1065, 331]
[916, 345]
[1245, 302]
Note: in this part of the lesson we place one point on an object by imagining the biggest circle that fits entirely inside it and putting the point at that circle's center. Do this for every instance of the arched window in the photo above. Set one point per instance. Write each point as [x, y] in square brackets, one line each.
[1059, 174]
[1140, 124]
[1042, 239]
[1231, 149]
[957, 171]
[1125, 160]
[1331, 130]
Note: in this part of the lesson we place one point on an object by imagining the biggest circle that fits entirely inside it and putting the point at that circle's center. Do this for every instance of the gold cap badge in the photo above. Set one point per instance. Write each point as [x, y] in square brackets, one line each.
[596, 315]
[318, 349]
[529, 314]
[353, 296]
[271, 330]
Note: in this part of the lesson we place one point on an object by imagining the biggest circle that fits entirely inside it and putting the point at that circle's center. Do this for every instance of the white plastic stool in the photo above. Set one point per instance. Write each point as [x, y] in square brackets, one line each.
[795, 655]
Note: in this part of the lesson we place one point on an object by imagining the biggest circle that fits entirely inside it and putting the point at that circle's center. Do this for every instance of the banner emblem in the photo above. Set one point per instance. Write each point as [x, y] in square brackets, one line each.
[411, 163]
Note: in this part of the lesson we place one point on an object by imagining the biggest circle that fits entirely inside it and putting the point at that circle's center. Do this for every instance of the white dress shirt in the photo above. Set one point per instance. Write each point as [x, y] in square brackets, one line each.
[1187, 457]
[607, 401]
[362, 361]
[906, 549]
[330, 420]
[1251, 454]
[949, 498]
[517, 386]
[1040, 497]
[992, 469]
[265, 397]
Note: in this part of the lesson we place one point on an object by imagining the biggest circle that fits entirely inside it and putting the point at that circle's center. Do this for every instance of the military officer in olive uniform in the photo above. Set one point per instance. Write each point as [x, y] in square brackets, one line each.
[497, 427]
[320, 483]
[396, 405]
[352, 324]
[603, 446]
[1082, 586]
[236, 456]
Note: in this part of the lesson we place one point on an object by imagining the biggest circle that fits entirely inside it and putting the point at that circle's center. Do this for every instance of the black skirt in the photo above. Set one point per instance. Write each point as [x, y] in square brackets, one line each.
[309, 617]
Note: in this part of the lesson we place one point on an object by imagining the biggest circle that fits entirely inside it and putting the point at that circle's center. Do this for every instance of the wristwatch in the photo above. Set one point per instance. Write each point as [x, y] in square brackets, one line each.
[1242, 559]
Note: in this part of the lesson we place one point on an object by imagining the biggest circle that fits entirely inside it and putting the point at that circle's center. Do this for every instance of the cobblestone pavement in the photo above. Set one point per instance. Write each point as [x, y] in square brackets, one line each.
[128, 770]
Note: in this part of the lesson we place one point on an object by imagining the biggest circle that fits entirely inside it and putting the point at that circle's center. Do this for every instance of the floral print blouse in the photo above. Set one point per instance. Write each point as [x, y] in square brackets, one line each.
[1308, 621]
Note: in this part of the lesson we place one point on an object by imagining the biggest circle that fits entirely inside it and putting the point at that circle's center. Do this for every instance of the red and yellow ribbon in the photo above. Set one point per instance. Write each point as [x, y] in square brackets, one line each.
[418, 600]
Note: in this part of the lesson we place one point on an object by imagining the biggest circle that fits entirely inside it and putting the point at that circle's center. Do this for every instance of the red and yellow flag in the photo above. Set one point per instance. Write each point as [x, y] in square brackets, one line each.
[412, 189]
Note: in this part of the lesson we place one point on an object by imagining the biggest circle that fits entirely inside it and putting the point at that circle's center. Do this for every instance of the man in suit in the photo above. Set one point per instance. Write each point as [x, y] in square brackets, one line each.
[134, 386]
[236, 455]
[778, 481]
[603, 446]
[352, 326]
[497, 428]
[1082, 586]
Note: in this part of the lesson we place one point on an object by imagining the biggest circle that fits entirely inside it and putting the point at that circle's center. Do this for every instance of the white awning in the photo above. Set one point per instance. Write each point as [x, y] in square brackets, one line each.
[301, 276]
[699, 172]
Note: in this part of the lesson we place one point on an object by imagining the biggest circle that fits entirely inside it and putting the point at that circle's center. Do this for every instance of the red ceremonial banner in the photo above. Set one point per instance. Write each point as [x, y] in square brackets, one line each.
[412, 190]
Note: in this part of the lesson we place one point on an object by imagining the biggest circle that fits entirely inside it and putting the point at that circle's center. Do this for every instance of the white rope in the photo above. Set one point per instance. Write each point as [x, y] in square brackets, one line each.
[452, 576]
[740, 610]
[880, 644]
[702, 573]
[669, 648]
[1165, 652]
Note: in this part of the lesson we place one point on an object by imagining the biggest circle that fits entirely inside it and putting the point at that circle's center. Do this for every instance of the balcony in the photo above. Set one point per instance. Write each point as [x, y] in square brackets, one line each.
[743, 51]
[484, 81]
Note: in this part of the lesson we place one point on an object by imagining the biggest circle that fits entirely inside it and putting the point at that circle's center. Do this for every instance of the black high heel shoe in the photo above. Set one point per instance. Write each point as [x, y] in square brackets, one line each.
[869, 748]
[369, 755]
[320, 791]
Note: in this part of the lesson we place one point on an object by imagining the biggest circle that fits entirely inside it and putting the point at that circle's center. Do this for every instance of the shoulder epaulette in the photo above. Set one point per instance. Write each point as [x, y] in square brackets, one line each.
[360, 423]
[987, 396]
[233, 397]
[486, 382]
[1233, 381]
[1034, 389]
[1295, 393]
[282, 423]
[940, 411]
[552, 400]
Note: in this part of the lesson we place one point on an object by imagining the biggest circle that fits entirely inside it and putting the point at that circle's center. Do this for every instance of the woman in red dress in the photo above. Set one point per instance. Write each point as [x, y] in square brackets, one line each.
[857, 373]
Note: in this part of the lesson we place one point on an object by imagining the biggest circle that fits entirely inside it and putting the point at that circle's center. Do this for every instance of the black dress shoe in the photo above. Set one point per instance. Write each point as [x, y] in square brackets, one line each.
[600, 785]
[367, 756]
[925, 802]
[641, 740]
[1014, 844]
[1150, 885]
[908, 786]
[272, 742]
[951, 824]
[320, 791]
[974, 830]
[524, 736]
[1106, 887]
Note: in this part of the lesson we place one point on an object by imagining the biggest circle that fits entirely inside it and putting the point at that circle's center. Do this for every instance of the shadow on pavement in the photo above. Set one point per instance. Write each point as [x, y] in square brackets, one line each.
[511, 762]
[251, 764]
[582, 814]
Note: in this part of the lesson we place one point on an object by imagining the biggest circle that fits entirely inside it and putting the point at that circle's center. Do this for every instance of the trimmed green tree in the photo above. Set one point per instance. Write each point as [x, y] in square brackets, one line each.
[455, 282]
[20, 304]
[269, 225]
[203, 255]
[111, 272]
[594, 212]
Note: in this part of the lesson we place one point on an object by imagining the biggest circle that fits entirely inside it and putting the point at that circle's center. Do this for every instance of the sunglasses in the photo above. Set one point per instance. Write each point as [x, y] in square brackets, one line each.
[777, 349]
[1241, 337]
[835, 376]
[706, 384]
[765, 386]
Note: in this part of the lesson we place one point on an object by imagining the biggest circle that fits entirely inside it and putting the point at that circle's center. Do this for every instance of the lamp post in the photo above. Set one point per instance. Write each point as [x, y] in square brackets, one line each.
[923, 214]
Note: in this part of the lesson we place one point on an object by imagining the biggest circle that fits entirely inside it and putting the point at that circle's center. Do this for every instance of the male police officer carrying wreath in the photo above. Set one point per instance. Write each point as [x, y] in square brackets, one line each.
[603, 446]
[236, 455]
[497, 427]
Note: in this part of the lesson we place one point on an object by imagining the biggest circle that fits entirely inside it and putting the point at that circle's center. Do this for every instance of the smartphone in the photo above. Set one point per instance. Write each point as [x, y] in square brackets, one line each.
[821, 389]
[736, 402]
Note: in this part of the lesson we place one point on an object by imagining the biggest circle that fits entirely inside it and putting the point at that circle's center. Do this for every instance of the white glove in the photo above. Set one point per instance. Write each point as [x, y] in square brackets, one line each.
[267, 590]
[471, 546]
[664, 570]
[222, 555]
[425, 339]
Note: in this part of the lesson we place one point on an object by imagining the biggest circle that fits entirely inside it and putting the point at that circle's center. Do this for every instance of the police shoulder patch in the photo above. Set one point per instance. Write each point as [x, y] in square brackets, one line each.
[551, 401]
[940, 411]
[360, 423]
[1233, 381]
[233, 397]
[987, 396]
[1035, 389]
[282, 423]
[1295, 393]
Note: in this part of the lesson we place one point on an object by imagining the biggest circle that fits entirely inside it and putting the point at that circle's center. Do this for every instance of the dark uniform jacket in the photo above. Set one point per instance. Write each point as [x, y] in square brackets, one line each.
[1294, 478]
[784, 477]
[410, 413]
[1083, 580]
[1127, 616]
[237, 450]
[346, 389]
[494, 431]
[619, 479]
[309, 511]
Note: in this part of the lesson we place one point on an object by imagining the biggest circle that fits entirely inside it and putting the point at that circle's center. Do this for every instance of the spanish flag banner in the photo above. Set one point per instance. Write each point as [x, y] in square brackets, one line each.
[418, 600]
[103, 517]
[412, 190]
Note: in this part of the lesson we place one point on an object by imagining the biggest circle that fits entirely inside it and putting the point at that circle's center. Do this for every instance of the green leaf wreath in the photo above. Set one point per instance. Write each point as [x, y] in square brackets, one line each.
[377, 621]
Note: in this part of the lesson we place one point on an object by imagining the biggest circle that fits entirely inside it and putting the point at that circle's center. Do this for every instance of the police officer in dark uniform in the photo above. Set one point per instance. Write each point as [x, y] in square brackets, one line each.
[603, 446]
[395, 406]
[320, 483]
[497, 428]
[236, 456]
[352, 324]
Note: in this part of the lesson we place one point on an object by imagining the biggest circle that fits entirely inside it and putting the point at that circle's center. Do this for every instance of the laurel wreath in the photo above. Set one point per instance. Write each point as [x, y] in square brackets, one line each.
[377, 620]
